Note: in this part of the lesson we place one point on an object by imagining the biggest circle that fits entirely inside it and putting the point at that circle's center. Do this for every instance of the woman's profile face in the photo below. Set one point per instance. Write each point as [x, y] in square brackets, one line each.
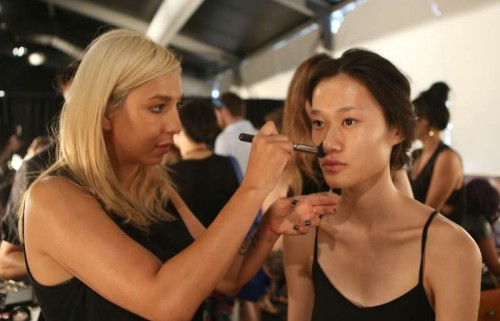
[141, 130]
[351, 125]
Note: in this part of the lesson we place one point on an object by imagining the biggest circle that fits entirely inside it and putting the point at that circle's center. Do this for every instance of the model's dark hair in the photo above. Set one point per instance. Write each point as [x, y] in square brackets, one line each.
[199, 121]
[389, 87]
[431, 105]
[233, 103]
[482, 198]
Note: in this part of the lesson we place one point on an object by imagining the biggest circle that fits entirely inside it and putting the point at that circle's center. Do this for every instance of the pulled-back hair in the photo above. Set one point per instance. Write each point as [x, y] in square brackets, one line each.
[431, 105]
[389, 87]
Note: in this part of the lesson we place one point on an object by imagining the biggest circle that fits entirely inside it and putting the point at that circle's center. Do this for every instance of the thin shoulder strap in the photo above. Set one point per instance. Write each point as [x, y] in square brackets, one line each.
[315, 257]
[424, 239]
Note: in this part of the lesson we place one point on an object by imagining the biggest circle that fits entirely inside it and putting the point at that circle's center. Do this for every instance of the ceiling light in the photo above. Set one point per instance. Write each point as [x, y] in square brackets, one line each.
[36, 58]
[19, 51]
[2, 93]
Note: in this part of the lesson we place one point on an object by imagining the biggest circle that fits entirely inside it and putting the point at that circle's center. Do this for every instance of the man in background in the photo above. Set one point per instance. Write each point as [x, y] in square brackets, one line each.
[231, 118]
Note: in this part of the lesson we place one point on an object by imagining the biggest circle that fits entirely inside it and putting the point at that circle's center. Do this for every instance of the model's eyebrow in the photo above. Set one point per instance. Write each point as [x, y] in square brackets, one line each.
[340, 110]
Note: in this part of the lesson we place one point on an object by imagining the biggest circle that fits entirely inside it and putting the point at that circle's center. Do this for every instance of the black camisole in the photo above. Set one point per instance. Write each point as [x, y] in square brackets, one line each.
[330, 304]
[73, 300]
[420, 185]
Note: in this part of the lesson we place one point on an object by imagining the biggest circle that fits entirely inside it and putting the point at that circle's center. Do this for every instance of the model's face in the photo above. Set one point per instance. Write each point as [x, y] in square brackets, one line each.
[141, 130]
[352, 127]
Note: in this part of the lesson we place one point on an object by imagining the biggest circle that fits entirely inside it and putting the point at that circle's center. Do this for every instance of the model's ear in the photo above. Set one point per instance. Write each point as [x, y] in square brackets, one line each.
[396, 136]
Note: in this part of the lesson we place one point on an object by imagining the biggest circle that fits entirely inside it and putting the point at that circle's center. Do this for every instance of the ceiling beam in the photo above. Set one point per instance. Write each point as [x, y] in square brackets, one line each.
[297, 5]
[119, 19]
[170, 18]
[58, 43]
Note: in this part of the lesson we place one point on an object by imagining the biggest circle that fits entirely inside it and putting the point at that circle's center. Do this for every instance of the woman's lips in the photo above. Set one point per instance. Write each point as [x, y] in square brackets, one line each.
[332, 166]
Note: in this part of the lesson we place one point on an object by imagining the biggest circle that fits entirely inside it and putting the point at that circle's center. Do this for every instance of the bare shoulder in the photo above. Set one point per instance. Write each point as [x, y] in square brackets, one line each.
[449, 157]
[51, 191]
[450, 247]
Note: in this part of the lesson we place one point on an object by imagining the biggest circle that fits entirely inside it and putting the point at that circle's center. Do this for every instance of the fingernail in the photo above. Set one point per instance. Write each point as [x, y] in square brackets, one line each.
[296, 227]
[307, 222]
[294, 201]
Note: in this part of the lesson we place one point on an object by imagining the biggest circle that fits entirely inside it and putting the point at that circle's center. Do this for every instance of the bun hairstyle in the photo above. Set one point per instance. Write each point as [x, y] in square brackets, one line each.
[431, 105]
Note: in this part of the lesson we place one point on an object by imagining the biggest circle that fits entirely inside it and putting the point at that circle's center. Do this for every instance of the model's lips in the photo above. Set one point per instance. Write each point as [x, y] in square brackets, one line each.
[332, 166]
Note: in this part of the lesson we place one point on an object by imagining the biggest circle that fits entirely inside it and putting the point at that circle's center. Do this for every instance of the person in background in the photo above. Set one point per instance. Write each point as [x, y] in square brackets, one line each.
[204, 180]
[384, 255]
[41, 155]
[106, 235]
[38, 144]
[482, 210]
[230, 113]
[10, 142]
[436, 174]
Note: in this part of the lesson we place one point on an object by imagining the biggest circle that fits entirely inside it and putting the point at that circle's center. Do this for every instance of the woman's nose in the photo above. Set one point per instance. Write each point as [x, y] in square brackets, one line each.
[173, 123]
[333, 141]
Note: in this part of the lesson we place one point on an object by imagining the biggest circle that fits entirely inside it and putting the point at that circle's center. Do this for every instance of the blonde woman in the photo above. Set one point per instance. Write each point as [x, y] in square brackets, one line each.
[106, 236]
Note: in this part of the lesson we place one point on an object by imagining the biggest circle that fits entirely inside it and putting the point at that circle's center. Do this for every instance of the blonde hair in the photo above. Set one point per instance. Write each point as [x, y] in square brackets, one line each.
[114, 64]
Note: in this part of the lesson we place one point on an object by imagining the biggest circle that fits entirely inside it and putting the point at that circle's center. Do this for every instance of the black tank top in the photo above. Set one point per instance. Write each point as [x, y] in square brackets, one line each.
[73, 300]
[330, 304]
[420, 185]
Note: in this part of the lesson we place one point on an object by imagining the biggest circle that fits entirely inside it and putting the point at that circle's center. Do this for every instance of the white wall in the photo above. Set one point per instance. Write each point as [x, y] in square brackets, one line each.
[460, 47]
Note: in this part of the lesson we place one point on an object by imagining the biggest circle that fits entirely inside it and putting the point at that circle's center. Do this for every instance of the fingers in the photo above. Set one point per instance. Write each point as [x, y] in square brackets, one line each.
[305, 220]
[268, 129]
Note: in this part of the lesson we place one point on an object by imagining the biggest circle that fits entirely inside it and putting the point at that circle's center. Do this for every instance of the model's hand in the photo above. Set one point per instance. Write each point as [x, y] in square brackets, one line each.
[268, 158]
[296, 215]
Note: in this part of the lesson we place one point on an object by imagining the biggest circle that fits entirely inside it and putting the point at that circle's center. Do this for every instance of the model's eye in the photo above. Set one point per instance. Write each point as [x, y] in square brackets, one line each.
[317, 124]
[157, 108]
[349, 121]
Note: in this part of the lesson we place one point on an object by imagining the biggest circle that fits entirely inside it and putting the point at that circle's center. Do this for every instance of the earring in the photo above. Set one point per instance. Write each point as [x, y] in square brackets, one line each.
[431, 133]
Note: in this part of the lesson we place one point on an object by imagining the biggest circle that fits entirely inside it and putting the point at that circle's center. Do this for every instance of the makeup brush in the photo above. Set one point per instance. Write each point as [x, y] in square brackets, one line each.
[298, 147]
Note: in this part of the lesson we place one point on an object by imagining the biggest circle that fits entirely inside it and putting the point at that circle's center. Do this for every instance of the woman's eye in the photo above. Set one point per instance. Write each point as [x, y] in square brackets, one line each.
[317, 123]
[349, 121]
[157, 108]
[179, 103]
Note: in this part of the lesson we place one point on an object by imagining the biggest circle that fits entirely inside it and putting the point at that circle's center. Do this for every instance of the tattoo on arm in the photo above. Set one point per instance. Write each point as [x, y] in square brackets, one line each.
[249, 243]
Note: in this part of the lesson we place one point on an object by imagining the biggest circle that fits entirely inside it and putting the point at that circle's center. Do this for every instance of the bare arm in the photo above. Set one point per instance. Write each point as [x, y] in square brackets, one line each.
[445, 178]
[490, 254]
[61, 217]
[278, 220]
[298, 255]
[453, 272]
[12, 266]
